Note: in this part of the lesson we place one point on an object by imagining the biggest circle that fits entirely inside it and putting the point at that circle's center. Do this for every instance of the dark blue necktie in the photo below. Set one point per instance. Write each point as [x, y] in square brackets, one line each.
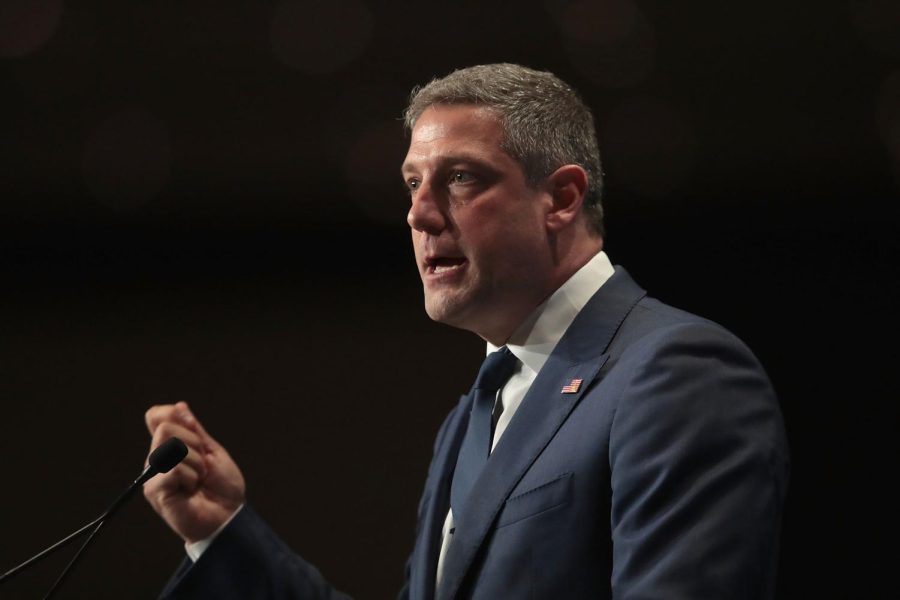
[476, 446]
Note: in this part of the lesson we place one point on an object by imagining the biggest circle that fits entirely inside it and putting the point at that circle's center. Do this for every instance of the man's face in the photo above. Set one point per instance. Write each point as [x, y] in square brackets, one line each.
[477, 228]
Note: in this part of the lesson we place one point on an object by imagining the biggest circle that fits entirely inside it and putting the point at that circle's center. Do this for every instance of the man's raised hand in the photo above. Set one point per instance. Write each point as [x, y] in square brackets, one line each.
[199, 495]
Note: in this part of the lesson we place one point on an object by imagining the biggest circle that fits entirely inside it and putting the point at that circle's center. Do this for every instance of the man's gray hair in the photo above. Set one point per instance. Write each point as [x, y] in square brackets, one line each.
[546, 124]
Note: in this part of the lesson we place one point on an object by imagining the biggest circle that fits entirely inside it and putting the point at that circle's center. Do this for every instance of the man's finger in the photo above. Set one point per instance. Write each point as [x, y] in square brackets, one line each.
[161, 413]
[209, 442]
[179, 413]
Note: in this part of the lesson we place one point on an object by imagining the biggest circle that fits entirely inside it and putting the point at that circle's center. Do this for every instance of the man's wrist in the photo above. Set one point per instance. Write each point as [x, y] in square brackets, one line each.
[196, 549]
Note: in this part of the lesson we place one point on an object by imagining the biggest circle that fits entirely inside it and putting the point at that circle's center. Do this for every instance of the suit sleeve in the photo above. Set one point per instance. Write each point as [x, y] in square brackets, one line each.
[247, 560]
[699, 470]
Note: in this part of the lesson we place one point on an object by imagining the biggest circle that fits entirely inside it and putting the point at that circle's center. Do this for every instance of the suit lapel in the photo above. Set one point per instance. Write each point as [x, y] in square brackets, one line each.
[428, 541]
[580, 354]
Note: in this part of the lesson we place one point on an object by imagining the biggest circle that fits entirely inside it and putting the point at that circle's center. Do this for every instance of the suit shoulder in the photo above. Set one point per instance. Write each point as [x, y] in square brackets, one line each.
[652, 325]
[677, 372]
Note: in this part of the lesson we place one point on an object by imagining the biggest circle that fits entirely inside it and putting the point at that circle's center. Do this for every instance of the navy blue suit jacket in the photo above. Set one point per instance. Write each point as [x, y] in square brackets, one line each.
[663, 476]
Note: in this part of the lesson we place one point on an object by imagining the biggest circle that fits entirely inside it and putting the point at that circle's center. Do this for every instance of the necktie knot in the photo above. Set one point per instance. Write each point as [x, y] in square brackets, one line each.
[495, 370]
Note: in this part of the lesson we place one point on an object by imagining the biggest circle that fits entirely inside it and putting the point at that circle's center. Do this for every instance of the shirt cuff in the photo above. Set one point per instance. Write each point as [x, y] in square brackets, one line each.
[196, 550]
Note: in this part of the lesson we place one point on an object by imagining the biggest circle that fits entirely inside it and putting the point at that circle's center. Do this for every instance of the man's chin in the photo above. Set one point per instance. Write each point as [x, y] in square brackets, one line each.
[448, 311]
[439, 314]
[458, 316]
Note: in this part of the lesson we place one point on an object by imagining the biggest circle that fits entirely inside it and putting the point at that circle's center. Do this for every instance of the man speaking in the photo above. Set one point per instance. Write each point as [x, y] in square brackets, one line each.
[610, 447]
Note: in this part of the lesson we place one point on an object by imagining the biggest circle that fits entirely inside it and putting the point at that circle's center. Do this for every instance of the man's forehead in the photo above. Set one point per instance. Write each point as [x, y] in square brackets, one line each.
[429, 130]
[453, 129]
[457, 108]
[440, 119]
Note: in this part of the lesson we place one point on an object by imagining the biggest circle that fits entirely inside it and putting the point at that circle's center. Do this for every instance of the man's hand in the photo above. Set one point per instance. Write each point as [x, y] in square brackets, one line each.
[200, 494]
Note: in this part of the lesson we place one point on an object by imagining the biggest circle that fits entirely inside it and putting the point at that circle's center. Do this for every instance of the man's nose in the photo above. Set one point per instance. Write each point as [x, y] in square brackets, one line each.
[426, 213]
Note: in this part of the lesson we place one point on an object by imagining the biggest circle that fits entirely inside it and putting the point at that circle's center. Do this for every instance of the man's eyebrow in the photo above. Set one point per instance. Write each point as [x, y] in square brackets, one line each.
[445, 160]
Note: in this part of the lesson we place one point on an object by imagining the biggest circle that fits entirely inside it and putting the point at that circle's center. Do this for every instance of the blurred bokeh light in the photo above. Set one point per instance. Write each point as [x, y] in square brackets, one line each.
[878, 24]
[320, 37]
[26, 25]
[372, 170]
[127, 159]
[609, 42]
[599, 22]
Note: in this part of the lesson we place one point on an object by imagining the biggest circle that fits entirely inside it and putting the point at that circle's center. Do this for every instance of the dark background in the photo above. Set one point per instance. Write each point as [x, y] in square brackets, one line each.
[201, 201]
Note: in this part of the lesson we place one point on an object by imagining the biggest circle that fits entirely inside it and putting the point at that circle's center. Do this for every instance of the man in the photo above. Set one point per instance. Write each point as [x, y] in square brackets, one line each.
[629, 450]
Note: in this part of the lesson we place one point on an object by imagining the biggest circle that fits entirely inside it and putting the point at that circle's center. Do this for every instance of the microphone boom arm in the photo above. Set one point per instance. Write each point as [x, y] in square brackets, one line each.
[162, 460]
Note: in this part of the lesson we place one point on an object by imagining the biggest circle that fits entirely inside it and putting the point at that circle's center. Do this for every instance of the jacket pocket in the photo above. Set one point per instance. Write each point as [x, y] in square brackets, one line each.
[536, 500]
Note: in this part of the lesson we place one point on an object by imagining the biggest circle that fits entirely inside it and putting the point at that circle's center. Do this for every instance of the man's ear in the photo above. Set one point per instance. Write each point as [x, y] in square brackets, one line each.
[567, 187]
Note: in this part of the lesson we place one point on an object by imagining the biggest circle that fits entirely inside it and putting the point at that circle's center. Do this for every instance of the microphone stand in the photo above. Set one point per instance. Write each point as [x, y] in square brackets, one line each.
[68, 569]
[60, 544]
[162, 460]
[100, 522]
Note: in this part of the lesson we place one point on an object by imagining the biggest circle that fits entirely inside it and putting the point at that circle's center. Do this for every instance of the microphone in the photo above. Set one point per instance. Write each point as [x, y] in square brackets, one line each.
[162, 460]
[170, 453]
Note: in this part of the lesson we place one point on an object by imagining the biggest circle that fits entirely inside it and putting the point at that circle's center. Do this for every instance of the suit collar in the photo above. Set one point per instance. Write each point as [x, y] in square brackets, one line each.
[580, 354]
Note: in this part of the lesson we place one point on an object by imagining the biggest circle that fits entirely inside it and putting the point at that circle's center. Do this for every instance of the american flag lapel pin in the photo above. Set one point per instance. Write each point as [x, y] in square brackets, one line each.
[572, 387]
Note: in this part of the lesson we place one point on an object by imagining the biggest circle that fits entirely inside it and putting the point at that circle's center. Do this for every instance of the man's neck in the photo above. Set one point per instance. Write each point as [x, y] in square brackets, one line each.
[566, 268]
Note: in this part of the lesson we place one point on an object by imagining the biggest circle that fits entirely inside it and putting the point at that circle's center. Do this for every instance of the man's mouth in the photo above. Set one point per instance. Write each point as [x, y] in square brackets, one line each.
[444, 264]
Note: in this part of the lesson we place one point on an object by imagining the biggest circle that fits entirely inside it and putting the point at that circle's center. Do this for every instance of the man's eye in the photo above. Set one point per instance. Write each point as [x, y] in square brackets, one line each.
[412, 185]
[461, 177]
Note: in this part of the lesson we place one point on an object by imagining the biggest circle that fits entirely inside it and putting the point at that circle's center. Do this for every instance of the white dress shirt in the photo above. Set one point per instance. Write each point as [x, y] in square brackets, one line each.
[532, 343]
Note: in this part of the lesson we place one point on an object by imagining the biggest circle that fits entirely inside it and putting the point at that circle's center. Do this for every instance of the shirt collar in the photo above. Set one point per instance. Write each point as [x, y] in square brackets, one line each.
[534, 340]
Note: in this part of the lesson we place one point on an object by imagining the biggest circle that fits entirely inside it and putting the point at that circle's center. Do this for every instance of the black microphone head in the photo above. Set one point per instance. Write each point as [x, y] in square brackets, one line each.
[167, 455]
